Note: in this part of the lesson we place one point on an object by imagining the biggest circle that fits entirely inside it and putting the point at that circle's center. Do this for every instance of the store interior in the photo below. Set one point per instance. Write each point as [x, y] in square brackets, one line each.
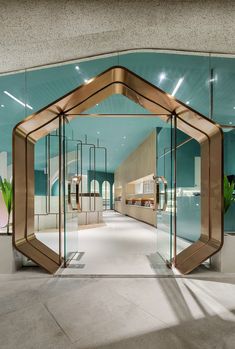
[120, 168]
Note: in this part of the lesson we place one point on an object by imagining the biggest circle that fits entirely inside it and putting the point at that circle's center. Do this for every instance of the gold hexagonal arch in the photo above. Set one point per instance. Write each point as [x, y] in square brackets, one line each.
[119, 80]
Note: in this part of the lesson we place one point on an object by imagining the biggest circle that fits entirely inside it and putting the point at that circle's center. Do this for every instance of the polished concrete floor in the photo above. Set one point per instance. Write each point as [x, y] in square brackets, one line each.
[117, 310]
[119, 246]
[40, 311]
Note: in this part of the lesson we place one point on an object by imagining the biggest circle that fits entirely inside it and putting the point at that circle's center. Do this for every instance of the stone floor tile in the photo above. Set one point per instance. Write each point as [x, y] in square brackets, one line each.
[98, 315]
[31, 328]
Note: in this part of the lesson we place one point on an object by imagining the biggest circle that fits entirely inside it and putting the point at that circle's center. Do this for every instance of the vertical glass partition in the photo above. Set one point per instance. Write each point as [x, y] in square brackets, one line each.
[48, 194]
[229, 172]
[178, 191]
[71, 191]
[165, 191]
[188, 191]
[222, 84]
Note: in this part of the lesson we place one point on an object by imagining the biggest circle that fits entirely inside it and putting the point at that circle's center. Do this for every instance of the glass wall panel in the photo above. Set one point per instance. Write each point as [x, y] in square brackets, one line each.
[222, 82]
[183, 75]
[165, 191]
[14, 107]
[48, 224]
[46, 85]
[71, 192]
[203, 82]
[188, 191]
[229, 172]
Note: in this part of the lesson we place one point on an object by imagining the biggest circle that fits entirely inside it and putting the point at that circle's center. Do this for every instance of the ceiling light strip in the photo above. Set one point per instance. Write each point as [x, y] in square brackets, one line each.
[17, 100]
[177, 86]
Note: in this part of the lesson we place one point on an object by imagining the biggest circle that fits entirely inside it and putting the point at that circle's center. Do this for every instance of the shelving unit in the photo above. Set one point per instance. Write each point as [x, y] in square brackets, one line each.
[140, 193]
[141, 202]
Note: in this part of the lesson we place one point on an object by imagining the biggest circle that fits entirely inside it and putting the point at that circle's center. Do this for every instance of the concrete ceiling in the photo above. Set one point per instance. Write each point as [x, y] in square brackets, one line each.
[36, 32]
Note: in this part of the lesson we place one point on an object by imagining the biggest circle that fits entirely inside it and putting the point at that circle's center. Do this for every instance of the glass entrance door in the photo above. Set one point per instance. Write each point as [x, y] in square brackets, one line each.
[165, 194]
[178, 191]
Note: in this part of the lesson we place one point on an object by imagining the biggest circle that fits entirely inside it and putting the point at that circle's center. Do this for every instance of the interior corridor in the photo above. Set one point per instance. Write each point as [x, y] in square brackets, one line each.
[119, 246]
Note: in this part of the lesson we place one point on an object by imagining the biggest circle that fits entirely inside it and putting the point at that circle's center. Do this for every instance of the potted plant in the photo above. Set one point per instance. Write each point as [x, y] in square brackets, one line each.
[228, 193]
[7, 193]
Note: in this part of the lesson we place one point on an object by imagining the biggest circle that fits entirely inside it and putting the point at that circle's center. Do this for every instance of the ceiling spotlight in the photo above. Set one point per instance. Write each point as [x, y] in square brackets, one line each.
[2, 105]
[233, 107]
[97, 104]
[230, 123]
[77, 67]
[98, 132]
[162, 76]
[213, 79]
[124, 137]
[177, 86]
[17, 100]
[187, 102]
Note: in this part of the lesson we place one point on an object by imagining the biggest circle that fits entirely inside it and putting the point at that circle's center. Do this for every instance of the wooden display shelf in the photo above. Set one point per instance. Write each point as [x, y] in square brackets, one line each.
[140, 202]
[140, 196]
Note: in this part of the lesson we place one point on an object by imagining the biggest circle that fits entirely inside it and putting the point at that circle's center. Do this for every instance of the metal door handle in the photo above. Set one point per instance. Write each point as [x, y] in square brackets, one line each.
[159, 179]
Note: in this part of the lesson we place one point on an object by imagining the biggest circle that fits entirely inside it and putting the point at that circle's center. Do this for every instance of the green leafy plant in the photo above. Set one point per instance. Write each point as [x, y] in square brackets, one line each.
[228, 194]
[7, 193]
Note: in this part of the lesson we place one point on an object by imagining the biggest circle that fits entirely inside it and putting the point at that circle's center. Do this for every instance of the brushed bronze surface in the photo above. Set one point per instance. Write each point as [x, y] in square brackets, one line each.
[119, 80]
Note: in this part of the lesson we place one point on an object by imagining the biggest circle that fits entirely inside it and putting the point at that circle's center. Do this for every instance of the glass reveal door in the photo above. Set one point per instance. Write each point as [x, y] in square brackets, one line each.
[165, 190]
[71, 192]
[178, 191]
[188, 191]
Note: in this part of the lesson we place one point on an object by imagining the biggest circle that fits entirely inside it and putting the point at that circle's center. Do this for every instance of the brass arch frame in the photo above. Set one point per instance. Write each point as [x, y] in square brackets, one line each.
[119, 80]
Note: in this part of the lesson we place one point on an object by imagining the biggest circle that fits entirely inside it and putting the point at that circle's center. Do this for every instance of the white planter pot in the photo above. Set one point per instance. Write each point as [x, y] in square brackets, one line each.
[224, 260]
[10, 259]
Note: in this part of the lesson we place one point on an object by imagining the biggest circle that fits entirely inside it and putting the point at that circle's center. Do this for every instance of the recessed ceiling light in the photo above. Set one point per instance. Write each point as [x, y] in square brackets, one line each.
[97, 104]
[2, 105]
[187, 102]
[213, 79]
[233, 107]
[177, 86]
[98, 132]
[77, 67]
[162, 76]
[124, 137]
[17, 100]
[230, 123]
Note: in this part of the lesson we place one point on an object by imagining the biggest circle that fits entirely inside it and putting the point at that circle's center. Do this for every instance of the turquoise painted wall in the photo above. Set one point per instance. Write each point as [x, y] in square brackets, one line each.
[55, 188]
[40, 179]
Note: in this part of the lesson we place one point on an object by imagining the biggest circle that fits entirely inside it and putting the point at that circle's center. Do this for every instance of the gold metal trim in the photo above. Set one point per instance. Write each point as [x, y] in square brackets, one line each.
[119, 80]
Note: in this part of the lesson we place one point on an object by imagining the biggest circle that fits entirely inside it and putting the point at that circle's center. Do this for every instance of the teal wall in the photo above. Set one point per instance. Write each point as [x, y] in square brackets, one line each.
[55, 188]
[40, 179]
